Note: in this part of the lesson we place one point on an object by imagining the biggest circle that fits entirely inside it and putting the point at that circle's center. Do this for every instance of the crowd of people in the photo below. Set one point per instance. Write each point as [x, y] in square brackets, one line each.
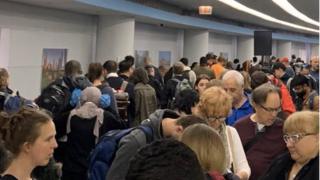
[214, 120]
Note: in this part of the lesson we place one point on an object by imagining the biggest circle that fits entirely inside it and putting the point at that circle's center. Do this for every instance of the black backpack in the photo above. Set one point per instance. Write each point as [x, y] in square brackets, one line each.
[55, 97]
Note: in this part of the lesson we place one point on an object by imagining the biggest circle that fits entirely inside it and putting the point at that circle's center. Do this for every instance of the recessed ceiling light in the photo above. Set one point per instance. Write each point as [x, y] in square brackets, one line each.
[246, 9]
[285, 5]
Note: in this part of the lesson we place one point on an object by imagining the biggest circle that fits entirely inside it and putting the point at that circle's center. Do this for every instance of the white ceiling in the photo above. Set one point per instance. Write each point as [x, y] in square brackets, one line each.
[221, 12]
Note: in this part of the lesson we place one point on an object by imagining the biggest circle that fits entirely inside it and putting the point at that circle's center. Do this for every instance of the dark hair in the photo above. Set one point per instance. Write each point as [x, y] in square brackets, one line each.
[110, 66]
[200, 77]
[278, 65]
[185, 61]
[94, 71]
[254, 59]
[193, 65]
[21, 127]
[165, 159]
[203, 61]
[299, 80]
[211, 56]
[130, 59]
[186, 121]
[258, 78]
[260, 94]
[72, 68]
[185, 100]
[293, 56]
[221, 59]
[139, 75]
[124, 66]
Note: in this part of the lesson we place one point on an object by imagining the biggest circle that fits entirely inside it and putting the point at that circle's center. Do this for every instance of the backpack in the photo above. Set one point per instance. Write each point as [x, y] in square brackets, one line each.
[101, 157]
[13, 103]
[55, 97]
[181, 85]
[122, 100]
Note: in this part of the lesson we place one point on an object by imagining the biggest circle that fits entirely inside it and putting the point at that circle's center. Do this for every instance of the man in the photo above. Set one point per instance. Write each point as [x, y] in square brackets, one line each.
[218, 68]
[314, 72]
[167, 159]
[233, 82]
[279, 71]
[157, 74]
[203, 68]
[188, 72]
[306, 98]
[125, 69]
[289, 70]
[164, 124]
[118, 83]
[211, 59]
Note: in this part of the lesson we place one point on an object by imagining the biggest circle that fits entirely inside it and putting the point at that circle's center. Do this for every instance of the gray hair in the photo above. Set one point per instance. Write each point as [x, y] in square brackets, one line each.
[234, 74]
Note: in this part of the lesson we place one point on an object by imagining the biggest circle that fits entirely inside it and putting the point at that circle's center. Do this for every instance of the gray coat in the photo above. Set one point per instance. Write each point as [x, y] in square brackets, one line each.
[129, 145]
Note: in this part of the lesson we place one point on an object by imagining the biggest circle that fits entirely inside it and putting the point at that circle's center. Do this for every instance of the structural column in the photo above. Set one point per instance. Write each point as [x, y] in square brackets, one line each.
[196, 44]
[115, 38]
[284, 49]
[245, 47]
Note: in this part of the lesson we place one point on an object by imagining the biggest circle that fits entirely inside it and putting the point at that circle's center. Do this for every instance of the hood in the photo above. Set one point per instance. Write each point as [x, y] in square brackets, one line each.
[155, 119]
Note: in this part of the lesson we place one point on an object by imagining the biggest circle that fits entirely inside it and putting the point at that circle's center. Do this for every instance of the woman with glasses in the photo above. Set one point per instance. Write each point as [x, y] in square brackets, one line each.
[215, 105]
[301, 135]
[261, 132]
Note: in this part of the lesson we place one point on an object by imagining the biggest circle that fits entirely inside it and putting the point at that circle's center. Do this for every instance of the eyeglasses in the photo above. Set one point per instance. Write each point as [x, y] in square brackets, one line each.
[219, 118]
[278, 109]
[295, 137]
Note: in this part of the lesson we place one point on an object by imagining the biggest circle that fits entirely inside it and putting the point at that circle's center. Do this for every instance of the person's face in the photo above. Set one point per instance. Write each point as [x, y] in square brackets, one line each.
[315, 64]
[151, 72]
[278, 73]
[305, 71]
[302, 146]
[202, 85]
[216, 122]
[42, 149]
[234, 89]
[171, 129]
[300, 90]
[267, 112]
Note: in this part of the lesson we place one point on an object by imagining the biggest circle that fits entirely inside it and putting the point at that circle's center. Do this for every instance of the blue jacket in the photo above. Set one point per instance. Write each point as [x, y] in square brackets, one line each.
[237, 114]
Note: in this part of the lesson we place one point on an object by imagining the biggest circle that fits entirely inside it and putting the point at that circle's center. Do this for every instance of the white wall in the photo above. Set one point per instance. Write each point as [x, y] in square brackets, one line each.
[34, 28]
[274, 47]
[223, 43]
[245, 49]
[196, 44]
[4, 47]
[284, 48]
[155, 38]
[115, 38]
[314, 49]
[299, 49]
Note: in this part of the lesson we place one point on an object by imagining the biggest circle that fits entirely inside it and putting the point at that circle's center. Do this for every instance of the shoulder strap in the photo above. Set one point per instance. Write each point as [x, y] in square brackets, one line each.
[254, 139]
[311, 99]
[231, 145]
[123, 85]
[148, 132]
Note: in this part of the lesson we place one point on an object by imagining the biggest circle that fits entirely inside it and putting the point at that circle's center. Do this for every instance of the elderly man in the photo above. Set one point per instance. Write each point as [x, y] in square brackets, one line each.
[314, 72]
[233, 82]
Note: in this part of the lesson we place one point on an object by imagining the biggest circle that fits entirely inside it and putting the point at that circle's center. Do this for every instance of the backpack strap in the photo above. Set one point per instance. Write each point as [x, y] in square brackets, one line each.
[148, 132]
[123, 85]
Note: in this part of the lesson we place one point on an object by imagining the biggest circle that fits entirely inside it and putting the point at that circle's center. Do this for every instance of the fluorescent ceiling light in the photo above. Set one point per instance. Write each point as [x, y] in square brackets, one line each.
[246, 9]
[285, 5]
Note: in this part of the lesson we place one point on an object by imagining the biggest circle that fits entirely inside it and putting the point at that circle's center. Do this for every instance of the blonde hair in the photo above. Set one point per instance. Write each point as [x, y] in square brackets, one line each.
[207, 145]
[302, 122]
[4, 75]
[214, 101]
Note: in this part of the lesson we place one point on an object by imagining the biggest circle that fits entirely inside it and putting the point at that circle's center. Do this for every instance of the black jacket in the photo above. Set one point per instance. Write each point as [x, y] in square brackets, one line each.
[280, 169]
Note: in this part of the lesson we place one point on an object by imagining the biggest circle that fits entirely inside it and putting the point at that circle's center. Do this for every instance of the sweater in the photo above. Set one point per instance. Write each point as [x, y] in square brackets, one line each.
[269, 145]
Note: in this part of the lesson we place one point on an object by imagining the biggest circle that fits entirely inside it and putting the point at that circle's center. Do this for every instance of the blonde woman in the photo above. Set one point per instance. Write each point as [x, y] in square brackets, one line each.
[208, 146]
[301, 135]
[215, 105]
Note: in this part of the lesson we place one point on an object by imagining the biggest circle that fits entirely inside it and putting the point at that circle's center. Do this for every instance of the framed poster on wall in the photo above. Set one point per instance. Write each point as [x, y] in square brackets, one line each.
[53, 61]
[165, 59]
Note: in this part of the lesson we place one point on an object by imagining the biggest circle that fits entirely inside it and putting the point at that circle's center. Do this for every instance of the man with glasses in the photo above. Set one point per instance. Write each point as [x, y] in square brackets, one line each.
[261, 132]
[306, 98]
[301, 135]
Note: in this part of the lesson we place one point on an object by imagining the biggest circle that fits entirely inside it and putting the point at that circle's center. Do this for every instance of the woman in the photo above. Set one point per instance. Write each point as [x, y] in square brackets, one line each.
[301, 135]
[29, 135]
[215, 105]
[208, 146]
[144, 95]
[261, 132]
[84, 126]
[201, 83]
[95, 76]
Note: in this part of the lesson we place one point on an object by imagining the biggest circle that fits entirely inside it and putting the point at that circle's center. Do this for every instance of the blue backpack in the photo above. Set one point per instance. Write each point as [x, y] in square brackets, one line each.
[13, 103]
[101, 157]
